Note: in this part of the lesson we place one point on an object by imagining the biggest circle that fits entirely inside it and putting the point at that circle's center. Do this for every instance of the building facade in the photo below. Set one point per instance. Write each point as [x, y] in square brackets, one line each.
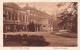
[16, 19]
[40, 18]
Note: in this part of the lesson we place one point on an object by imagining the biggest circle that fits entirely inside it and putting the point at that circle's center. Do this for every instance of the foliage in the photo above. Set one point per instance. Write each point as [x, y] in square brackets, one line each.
[69, 17]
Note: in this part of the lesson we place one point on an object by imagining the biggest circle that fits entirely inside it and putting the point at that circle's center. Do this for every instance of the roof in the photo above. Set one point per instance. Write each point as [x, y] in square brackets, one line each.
[11, 5]
[27, 7]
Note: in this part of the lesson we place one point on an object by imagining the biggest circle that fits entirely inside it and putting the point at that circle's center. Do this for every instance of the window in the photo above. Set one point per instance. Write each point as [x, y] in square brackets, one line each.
[23, 17]
[9, 13]
[15, 16]
[6, 14]
[28, 12]
[26, 19]
[12, 16]
[20, 17]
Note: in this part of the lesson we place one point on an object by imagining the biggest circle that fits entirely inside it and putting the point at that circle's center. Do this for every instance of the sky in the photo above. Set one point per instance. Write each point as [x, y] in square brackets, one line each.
[48, 7]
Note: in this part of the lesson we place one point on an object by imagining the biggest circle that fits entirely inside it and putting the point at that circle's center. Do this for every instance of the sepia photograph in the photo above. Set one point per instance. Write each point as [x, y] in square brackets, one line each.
[40, 24]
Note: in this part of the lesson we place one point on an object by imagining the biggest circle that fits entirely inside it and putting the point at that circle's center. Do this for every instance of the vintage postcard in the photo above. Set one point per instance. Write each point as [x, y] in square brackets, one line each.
[46, 25]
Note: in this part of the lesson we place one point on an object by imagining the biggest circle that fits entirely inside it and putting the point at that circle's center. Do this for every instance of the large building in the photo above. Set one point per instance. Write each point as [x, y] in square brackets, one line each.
[16, 19]
[41, 18]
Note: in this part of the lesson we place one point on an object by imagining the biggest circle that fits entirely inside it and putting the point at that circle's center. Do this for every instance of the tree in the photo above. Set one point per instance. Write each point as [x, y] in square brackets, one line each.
[69, 17]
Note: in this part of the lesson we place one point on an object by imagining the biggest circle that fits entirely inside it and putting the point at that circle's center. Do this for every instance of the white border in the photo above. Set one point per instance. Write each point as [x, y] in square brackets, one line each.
[36, 48]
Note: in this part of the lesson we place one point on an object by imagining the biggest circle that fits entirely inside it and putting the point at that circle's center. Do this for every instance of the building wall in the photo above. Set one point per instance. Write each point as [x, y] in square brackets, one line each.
[15, 20]
[40, 19]
[18, 20]
[10, 21]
